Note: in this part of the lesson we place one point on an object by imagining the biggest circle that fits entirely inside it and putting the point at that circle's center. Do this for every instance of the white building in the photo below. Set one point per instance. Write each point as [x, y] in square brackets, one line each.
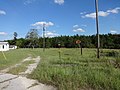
[12, 47]
[4, 46]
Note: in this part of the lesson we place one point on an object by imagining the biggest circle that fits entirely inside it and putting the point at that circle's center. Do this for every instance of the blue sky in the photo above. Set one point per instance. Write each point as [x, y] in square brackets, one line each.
[61, 17]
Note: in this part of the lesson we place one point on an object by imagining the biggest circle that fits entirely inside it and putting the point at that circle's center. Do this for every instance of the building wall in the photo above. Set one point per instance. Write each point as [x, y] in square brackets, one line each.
[4, 47]
[13, 47]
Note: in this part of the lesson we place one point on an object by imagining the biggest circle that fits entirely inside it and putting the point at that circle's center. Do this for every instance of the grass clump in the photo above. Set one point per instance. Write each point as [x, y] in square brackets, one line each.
[110, 53]
[72, 71]
[76, 72]
[20, 68]
[14, 57]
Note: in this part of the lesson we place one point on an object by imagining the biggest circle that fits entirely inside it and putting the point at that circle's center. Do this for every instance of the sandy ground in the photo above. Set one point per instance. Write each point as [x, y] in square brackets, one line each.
[20, 82]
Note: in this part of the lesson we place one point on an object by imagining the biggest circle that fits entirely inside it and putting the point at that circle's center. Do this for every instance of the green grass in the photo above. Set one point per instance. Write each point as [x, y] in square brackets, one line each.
[20, 68]
[76, 72]
[73, 71]
[14, 57]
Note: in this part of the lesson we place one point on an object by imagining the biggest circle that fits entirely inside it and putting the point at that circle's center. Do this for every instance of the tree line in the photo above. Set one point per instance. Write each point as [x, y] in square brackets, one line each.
[32, 40]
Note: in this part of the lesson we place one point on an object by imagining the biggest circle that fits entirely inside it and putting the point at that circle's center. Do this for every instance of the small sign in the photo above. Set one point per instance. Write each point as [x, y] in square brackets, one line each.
[78, 41]
[59, 44]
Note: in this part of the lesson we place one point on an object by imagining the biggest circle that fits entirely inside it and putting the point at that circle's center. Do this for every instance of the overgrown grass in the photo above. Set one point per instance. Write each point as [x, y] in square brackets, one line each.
[14, 56]
[75, 72]
[20, 68]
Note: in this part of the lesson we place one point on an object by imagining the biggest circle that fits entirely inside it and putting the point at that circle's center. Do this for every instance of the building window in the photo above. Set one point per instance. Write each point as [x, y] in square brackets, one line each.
[3, 46]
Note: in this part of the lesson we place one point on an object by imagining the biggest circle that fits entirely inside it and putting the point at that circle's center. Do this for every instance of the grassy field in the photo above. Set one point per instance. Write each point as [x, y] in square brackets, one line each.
[72, 71]
[20, 68]
[75, 72]
[14, 56]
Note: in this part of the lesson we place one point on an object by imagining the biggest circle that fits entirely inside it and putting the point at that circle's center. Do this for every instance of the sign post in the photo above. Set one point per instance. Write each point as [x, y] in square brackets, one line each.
[81, 47]
[79, 44]
[4, 55]
[59, 45]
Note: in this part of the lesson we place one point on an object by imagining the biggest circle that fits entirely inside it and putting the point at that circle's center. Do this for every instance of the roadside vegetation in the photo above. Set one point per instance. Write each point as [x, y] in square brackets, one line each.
[32, 40]
[71, 71]
[14, 57]
[20, 68]
[79, 72]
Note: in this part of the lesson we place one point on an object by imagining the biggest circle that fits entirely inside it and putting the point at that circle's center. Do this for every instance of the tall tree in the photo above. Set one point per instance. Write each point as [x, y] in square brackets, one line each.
[15, 35]
[33, 36]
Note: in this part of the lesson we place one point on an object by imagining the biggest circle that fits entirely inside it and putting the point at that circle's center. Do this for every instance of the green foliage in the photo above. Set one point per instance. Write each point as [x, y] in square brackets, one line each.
[76, 72]
[15, 35]
[32, 39]
[111, 53]
[20, 68]
[72, 72]
[13, 57]
[32, 36]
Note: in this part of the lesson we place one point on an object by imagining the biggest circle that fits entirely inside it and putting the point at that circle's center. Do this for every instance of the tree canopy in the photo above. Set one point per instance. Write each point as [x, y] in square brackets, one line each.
[111, 41]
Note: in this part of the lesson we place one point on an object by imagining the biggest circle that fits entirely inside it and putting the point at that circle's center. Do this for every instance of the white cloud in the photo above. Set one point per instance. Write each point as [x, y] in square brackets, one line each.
[116, 10]
[51, 34]
[3, 33]
[60, 2]
[2, 12]
[102, 13]
[113, 31]
[83, 13]
[75, 26]
[39, 25]
[78, 30]
[93, 15]
[28, 1]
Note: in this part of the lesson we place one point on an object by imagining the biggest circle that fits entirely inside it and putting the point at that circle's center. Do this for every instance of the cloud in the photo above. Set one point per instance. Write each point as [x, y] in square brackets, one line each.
[75, 26]
[102, 13]
[3, 33]
[26, 2]
[39, 25]
[60, 2]
[83, 13]
[113, 31]
[2, 12]
[93, 15]
[51, 34]
[78, 30]
[116, 10]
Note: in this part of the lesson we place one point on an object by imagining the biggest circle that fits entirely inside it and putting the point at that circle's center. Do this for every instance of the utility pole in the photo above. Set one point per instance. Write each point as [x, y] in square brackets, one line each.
[97, 27]
[43, 37]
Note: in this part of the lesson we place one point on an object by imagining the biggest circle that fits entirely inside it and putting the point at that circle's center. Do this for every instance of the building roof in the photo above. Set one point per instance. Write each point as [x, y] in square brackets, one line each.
[3, 43]
[11, 46]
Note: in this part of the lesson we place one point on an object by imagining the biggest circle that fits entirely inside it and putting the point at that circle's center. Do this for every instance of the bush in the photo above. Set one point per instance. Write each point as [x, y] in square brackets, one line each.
[110, 53]
[113, 54]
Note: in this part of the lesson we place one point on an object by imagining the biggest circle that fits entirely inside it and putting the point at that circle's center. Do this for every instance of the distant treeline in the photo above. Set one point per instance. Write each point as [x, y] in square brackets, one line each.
[110, 41]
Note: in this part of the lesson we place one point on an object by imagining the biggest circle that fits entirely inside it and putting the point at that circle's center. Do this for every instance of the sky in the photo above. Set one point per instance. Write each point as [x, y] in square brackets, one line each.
[60, 17]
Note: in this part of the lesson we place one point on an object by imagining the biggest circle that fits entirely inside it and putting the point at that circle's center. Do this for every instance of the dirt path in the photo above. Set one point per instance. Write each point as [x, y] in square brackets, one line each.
[20, 82]
[7, 69]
